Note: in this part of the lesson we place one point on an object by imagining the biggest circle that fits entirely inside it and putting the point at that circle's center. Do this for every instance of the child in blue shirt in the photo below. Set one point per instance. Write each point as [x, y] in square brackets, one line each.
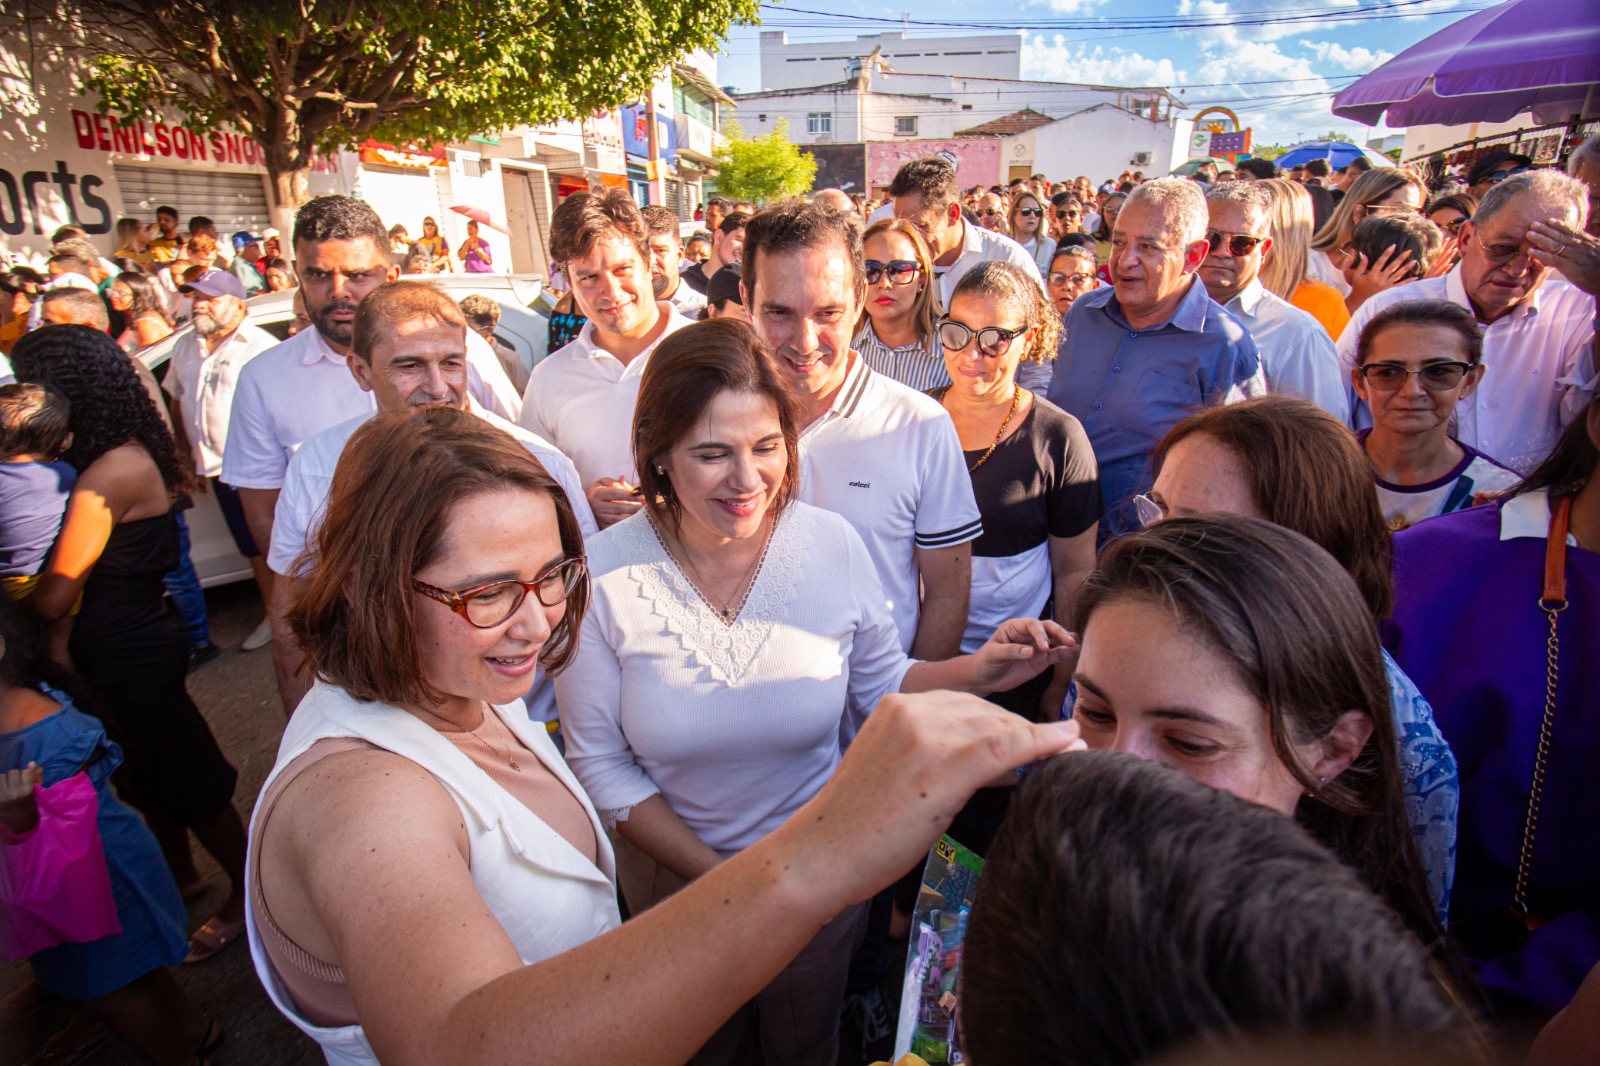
[34, 487]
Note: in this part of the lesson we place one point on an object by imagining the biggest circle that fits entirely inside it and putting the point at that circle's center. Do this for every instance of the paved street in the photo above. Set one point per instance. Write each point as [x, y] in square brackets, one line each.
[235, 691]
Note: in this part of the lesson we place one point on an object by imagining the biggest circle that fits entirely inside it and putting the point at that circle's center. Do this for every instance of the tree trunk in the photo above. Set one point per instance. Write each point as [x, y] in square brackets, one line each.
[290, 189]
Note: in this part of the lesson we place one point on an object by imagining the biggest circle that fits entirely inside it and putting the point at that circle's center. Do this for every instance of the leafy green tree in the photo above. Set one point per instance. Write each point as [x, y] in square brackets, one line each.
[1333, 136]
[762, 169]
[1394, 153]
[1268, 151]
[303, 76]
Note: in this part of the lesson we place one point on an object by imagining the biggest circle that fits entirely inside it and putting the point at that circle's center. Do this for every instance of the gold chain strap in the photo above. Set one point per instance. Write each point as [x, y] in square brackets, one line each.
[1519, 895]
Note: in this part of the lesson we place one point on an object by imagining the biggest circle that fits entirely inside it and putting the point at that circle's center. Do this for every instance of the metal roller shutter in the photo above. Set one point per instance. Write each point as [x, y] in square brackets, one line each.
[233, 201]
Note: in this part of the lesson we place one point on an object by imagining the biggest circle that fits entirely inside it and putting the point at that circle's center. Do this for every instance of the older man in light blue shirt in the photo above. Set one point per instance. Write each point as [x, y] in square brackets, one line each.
[1154, 347]
[1297, 355]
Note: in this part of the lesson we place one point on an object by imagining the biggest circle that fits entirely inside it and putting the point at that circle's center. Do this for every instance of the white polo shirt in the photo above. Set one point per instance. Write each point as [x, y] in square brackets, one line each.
[203, 384]
[581, 399]
[979, 245]
[1297, 354]
[1538, 367]
[687, 302]
[888, 460]
[310, 478]
[290, 393]
[310, 475]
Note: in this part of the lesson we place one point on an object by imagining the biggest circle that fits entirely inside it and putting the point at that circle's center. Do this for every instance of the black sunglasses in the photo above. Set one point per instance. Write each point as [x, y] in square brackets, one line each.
[992, 340]
[1239, 244]
[900, 271]
[1031, 212]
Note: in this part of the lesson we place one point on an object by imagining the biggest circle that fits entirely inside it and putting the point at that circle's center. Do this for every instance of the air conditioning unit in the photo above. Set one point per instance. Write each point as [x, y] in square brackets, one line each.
[1140, 159]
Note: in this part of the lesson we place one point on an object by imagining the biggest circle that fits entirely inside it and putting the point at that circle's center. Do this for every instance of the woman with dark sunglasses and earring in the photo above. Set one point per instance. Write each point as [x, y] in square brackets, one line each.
[1033, 469]
[1415, 361]
[897, 334]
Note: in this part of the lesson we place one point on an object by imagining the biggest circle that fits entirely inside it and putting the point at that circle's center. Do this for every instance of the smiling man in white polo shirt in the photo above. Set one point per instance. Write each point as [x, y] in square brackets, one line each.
[299, 388]
[1538, 330]
[581, 397]
[880, 454]
[926, 194]
[408, 349]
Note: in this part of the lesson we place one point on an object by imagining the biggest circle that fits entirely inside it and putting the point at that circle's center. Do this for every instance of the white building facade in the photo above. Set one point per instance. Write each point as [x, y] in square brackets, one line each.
[787, 64]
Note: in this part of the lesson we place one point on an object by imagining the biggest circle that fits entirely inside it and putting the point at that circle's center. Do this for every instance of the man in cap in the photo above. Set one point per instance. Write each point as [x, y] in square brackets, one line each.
[723, 296]
[1494, 167]
[206, 362]
[246, 250]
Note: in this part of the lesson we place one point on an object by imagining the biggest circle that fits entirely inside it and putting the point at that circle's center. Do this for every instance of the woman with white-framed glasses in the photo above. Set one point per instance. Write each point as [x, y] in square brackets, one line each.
[897, 334]
[1033, 469]
[1415, 361]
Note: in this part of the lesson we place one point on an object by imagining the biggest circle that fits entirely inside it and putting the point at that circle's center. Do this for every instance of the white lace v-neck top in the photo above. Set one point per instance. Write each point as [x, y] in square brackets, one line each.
[735, 726]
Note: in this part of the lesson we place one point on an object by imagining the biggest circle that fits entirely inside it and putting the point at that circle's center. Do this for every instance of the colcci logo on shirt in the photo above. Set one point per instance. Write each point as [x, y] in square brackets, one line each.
[861, 484]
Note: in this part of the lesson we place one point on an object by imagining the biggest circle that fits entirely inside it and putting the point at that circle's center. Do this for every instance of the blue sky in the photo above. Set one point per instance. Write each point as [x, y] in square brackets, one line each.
[1278, 75]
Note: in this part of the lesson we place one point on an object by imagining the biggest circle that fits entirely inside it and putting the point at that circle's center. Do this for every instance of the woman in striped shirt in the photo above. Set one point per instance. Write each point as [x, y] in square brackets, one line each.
[898, 335]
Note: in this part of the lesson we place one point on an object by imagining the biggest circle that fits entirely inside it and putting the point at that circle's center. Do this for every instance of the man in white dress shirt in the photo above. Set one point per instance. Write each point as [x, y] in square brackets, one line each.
[299, 388]
[666, 257]
[925, 193]
[882, 455]
[1297, 354]
[408, 349]
[206, 363]
[1538, 331]
[581, 397]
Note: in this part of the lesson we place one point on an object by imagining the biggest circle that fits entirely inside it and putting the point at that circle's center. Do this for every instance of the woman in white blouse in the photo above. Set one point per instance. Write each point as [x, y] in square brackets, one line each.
[429, 884]
[736, 641]
[1028, 228]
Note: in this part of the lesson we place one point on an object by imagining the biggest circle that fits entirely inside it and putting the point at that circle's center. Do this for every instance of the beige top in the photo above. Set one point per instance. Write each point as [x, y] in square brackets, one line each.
[317, 987]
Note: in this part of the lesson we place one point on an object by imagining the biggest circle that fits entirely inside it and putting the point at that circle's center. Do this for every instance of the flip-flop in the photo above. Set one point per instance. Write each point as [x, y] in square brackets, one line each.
[211, 938]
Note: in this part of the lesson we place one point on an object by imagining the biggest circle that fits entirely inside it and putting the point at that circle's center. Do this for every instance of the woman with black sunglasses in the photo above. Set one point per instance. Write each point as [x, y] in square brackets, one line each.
[897, 334]
[1414, 362]
[1027, 223]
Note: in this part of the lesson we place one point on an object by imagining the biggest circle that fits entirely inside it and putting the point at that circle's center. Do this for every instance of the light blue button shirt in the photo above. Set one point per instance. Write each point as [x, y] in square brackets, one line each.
[1128, 386]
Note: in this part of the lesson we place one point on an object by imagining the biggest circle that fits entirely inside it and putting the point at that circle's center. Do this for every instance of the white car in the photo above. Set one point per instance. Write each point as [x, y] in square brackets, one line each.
[523, 326]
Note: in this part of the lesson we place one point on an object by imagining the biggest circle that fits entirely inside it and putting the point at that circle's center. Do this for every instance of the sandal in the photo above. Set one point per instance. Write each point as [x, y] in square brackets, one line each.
[211, 1041]
[212, 938]
[69, 1046]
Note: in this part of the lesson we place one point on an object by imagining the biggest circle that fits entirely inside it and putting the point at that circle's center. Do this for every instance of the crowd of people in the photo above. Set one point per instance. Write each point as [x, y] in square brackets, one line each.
[1215, 555]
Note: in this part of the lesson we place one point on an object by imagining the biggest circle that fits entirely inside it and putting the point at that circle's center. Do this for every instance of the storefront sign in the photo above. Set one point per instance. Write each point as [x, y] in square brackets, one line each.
[159, 140]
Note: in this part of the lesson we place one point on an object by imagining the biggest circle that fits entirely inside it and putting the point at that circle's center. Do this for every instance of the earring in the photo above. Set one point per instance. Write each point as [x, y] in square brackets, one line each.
[660, 469]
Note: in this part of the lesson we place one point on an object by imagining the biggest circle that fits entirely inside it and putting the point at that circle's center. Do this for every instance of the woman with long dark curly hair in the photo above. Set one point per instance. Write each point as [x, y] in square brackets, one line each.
[119, 538]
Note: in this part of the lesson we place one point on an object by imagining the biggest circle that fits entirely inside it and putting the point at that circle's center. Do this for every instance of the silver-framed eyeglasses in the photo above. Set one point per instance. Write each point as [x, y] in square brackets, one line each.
[1436, 377]
[490, 604]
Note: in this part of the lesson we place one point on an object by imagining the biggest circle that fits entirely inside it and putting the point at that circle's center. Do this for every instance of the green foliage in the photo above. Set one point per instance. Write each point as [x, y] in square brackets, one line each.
[1331, 136]
[313, 75]
[763, 169]
[1268, 151]
[1394, 153]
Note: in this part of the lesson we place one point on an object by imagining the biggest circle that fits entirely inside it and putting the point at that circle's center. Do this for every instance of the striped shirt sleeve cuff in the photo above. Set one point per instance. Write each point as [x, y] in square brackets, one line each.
[960, 535]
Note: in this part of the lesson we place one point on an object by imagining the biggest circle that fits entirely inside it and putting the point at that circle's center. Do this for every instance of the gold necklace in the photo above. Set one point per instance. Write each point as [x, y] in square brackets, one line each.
[1016, 398]
[728, 613]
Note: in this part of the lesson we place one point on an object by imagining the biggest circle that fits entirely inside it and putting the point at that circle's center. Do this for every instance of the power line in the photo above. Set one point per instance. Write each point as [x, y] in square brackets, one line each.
[1399, 9]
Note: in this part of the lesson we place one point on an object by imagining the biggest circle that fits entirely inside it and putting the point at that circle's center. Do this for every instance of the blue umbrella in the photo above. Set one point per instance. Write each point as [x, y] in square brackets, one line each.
[1338, 154]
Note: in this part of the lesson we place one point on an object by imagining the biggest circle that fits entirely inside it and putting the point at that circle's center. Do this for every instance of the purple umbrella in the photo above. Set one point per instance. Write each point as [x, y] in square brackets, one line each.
[1539, 55]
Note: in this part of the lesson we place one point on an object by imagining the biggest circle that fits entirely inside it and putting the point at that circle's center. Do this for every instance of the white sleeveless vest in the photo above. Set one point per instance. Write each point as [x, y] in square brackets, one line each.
[543, 892]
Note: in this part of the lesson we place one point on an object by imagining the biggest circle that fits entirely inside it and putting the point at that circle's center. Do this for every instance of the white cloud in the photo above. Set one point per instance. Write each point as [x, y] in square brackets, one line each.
[1056, 60]
[1354, 59]
[1071, 7]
